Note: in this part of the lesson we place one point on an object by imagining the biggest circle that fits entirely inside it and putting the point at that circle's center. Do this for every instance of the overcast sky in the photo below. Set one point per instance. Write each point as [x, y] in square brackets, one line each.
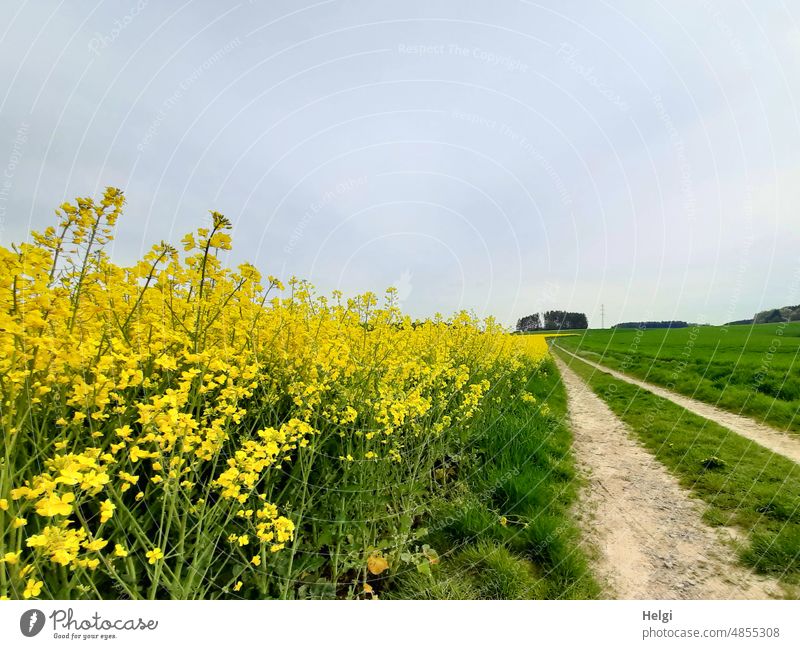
[503, 157]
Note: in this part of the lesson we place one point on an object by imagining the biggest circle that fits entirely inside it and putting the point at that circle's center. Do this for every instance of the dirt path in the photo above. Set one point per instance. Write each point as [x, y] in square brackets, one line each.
[651, 541]
[770, 438]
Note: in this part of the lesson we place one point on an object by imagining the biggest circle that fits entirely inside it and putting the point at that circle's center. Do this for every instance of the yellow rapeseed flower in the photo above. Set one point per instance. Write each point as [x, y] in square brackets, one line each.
[32, 589]
[55, 505]
[106, 510]
[95, 545]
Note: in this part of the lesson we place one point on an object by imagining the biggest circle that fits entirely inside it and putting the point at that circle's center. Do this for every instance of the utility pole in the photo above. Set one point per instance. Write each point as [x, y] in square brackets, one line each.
[602, 316]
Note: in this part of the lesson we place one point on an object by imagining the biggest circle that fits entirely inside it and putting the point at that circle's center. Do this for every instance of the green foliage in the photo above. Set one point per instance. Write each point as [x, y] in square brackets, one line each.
[505, 529]
[712, 462]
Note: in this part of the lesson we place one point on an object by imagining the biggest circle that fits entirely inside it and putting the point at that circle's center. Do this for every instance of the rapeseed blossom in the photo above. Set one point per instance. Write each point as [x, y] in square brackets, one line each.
[32, 589]
[180, 404]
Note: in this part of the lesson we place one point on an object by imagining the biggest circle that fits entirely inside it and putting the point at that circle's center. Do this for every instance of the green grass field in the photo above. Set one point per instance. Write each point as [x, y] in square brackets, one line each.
[743, 484]
[749, 370]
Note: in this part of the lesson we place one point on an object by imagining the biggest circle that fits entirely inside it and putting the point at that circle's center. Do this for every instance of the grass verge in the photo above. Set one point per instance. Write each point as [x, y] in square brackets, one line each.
[504, 526]
[744, 484]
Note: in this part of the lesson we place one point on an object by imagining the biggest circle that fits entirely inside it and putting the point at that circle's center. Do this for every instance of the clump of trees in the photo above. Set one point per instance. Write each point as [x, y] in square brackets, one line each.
[652, 324]
[784, 314]
[553, 320]
[529, 323]
[565, 320]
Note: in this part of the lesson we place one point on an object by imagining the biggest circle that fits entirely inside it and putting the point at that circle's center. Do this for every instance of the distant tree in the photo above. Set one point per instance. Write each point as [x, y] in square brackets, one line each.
[565, 320]
[529, 323]
[553, 319]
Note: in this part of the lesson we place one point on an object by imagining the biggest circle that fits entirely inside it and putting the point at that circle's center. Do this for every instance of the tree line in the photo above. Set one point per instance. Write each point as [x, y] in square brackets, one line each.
[652, 324]
[551, 320]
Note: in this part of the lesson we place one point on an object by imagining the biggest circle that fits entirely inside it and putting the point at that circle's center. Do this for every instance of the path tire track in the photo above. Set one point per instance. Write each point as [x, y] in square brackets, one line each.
[648, 534]
[766, 436]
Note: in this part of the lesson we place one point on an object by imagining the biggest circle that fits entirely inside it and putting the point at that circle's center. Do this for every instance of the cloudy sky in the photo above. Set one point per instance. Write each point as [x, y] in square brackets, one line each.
[502, 157]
